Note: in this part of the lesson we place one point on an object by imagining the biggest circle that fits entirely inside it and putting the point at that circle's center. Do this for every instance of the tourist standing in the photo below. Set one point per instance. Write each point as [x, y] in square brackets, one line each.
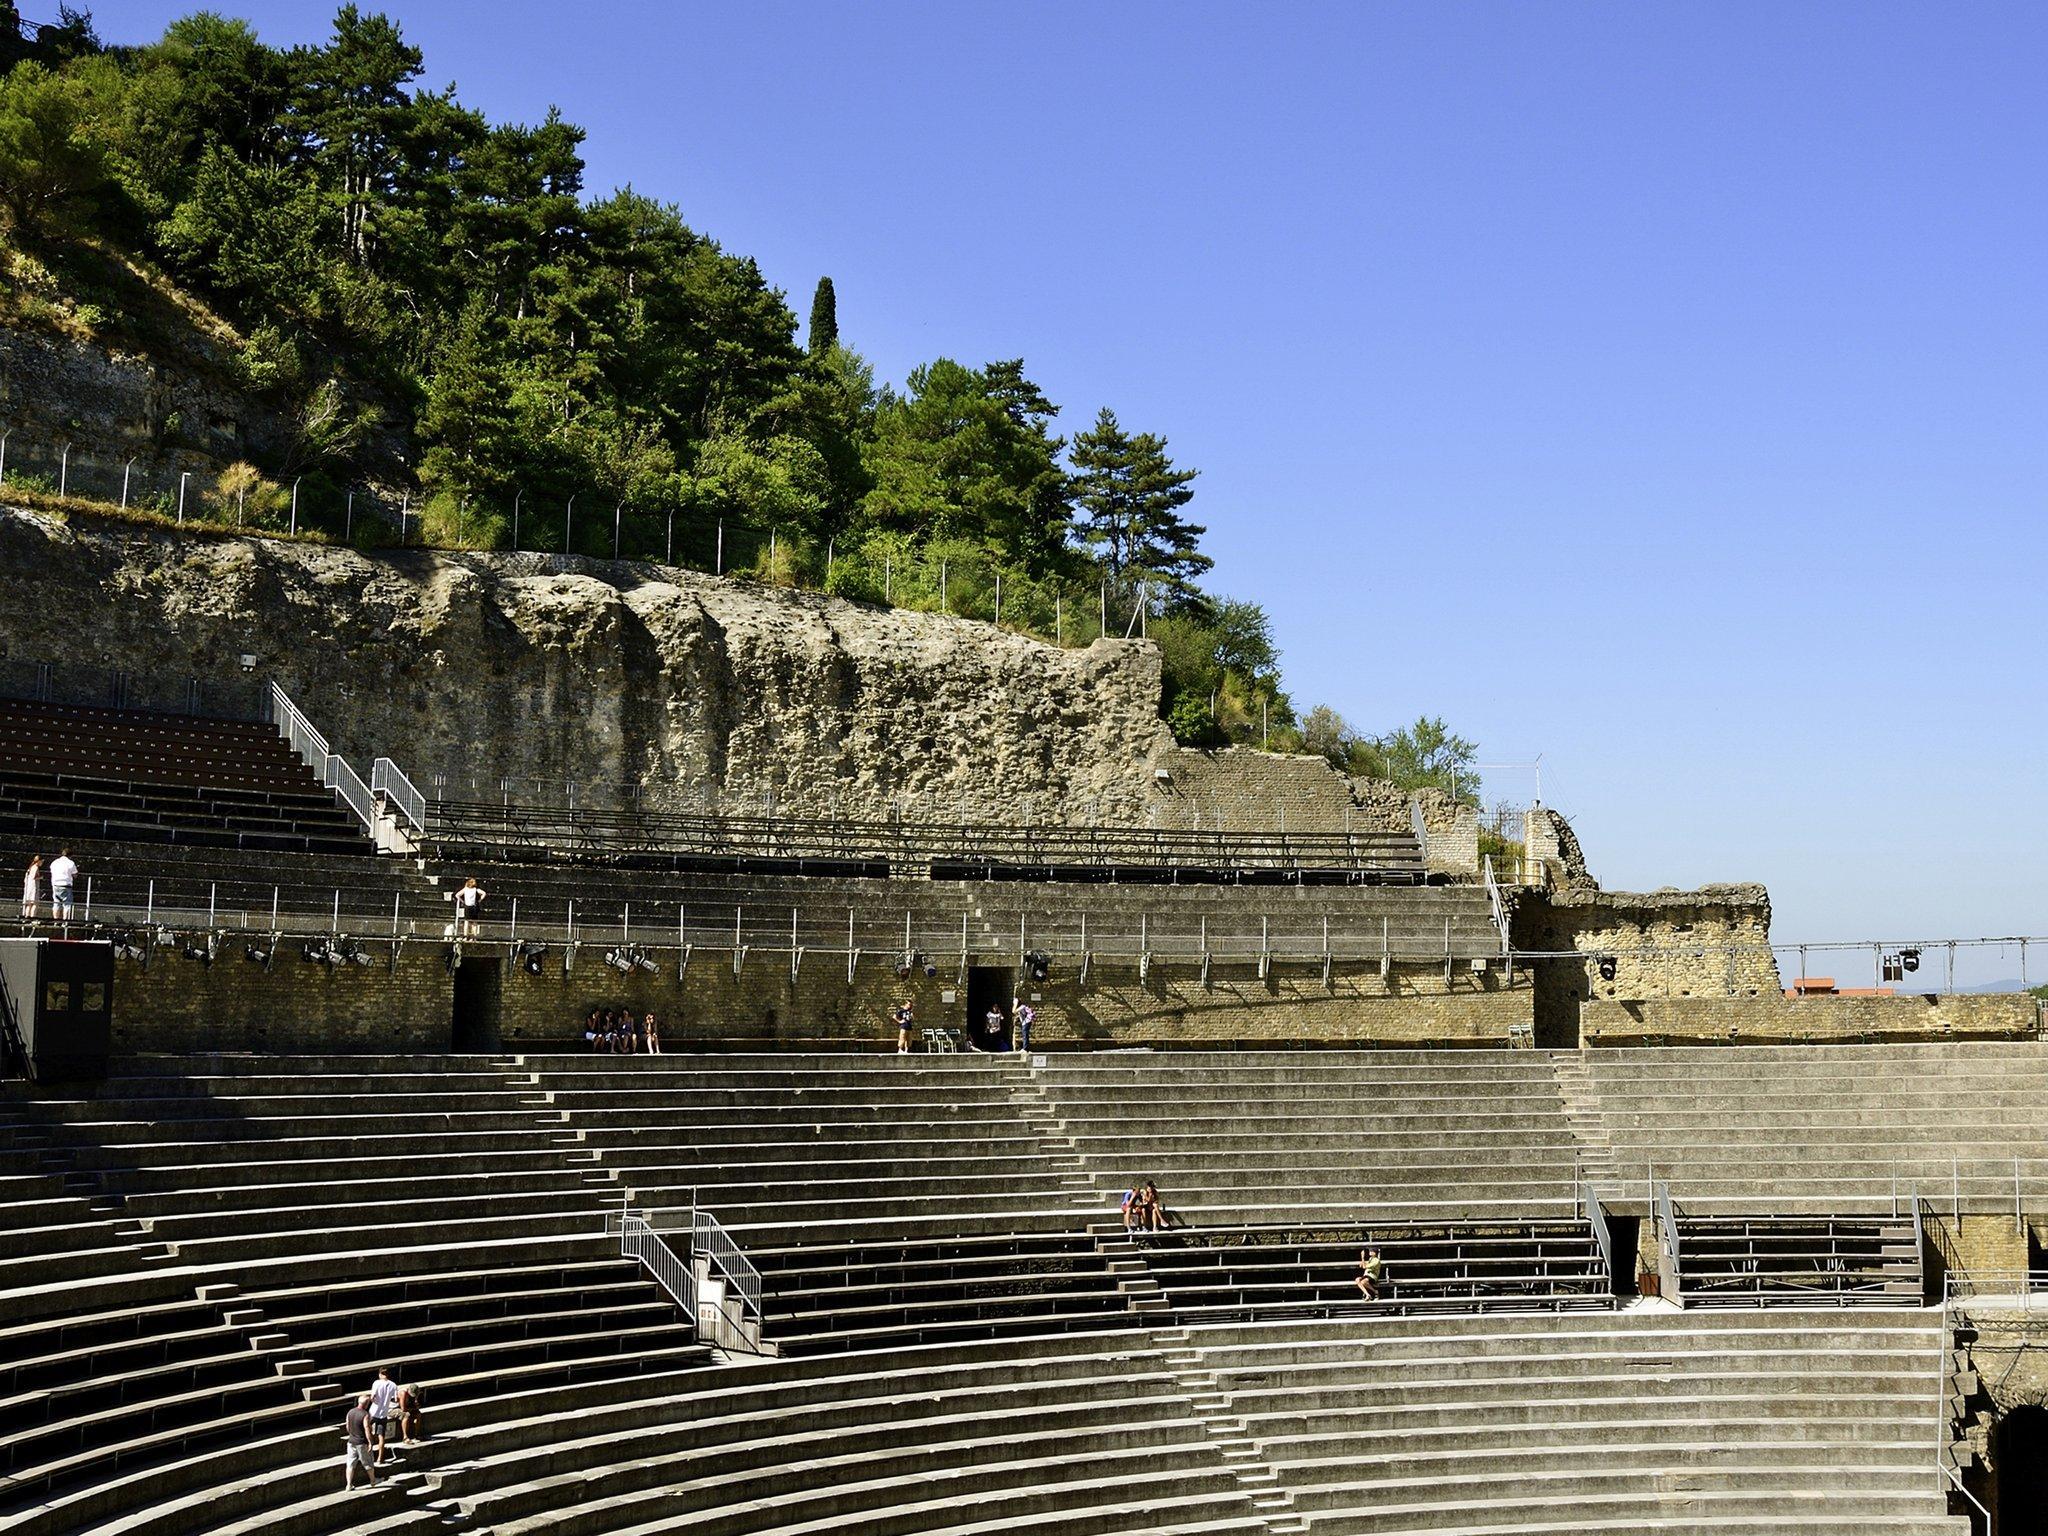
[63, 876]
[383, 1399]
[469, 906]
[31, 888]
[906, 1020]
[356, 1430]
[1024, 1016]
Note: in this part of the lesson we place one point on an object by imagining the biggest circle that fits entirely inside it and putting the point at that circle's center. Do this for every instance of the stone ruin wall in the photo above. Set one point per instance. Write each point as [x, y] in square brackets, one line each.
[524, 674]
[701, 694]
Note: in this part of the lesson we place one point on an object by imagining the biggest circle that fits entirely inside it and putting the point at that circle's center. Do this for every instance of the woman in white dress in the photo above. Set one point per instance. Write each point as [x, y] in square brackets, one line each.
[30, 884]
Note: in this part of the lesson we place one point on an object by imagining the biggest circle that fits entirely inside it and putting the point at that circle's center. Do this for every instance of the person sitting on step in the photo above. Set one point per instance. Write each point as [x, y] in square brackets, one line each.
[1372, 1270]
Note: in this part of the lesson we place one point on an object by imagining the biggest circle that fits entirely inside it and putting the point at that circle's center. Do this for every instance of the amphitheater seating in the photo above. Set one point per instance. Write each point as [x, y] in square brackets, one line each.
[1238, 1274]
[1754, 1260]
[198, 1260]
[75, 773]
[698, 844]
[1826, 1129]
[183, 886]
[1246, 1137]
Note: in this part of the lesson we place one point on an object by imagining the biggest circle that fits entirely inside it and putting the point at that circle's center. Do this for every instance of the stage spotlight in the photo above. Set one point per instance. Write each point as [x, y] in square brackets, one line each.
[1607, 967]
[1037, 964]
[1909, 959]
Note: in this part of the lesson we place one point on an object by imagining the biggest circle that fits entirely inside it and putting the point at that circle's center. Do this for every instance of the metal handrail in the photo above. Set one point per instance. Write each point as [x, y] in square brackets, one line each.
[298, 731]
[709, 1237]
[1493, 898]
[349, 787]
[1603, 1233]
[1667, 1226]
[638, 1240]
[1994, 1282]
[389, 780]
[1944, 1425]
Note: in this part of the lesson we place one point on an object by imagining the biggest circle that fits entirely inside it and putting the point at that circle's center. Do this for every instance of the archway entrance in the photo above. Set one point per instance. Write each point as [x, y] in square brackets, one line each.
[2019, 1476]
[479, 988]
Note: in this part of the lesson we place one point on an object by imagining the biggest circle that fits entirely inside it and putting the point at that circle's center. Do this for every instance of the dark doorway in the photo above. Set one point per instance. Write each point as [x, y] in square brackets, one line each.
[989, 986]
[1627, 1231]
[2019, 1473]
[478, 988]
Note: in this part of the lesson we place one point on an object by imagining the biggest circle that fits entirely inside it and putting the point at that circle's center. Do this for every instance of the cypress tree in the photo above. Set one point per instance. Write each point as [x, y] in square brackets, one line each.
[824, 334]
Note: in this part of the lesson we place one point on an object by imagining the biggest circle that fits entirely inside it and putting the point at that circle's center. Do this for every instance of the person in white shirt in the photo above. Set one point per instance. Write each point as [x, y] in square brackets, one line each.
[31, 888]
[1023, 1014]
[63, 876]
[383, 1402]
[469, 904]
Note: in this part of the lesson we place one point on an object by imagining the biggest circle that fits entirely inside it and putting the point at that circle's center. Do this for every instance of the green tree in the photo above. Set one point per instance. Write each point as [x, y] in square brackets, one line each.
[1423, 755]
[49, 157]
[967, 453]
[823, 334]
[1130, 496]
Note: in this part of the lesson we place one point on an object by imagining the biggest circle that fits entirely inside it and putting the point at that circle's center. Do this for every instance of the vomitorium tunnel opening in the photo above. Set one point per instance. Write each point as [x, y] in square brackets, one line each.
[2019, 1473]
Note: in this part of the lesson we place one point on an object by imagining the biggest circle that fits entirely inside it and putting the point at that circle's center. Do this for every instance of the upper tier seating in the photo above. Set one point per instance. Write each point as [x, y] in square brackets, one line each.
[1836, 1128]
[73, 772]
[739, 844]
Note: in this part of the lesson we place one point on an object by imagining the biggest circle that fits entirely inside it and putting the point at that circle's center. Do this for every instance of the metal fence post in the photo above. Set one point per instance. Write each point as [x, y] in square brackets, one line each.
[64, 470]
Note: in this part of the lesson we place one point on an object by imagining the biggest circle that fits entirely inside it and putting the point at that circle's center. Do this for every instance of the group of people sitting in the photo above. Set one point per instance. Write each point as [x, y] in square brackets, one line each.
[1144, 1211]
[622, 1032]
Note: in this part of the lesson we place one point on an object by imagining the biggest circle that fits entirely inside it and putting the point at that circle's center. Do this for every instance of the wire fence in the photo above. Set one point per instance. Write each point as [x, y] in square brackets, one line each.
[558, 526]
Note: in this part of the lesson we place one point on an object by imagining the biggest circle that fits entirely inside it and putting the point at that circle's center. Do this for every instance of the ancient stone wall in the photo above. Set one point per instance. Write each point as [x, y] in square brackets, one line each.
[1712, 942]
[1241, 789]
[703, 694]
[173, 1004]
[1777, 1020]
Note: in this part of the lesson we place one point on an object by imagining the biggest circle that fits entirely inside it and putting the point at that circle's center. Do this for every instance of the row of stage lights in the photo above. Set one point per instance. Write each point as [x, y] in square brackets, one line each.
[339, 950]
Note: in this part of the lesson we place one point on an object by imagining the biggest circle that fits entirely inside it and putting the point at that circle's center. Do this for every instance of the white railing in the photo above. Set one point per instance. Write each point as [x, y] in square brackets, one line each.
[349, 786]
[1420, 829]
[637, 1240]
[298, 731]
[307, 740]
[1996, 1185]
[709, 1237]
[1944, 1424]
[710, 1240]
[1667, 1232]
[1603, 1234]
[389, 780]
[1500, 911]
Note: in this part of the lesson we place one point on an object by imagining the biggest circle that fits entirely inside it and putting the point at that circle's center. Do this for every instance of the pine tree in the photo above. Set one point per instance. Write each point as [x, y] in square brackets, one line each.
[824, 333]
[1130, 496]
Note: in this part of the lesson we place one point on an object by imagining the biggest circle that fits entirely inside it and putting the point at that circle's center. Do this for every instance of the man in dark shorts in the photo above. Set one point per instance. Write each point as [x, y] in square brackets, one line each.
[356, 1430]
[383, 1408]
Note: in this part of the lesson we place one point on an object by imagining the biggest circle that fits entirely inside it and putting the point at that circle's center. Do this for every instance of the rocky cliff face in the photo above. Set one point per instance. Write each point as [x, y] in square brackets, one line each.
[703, 694]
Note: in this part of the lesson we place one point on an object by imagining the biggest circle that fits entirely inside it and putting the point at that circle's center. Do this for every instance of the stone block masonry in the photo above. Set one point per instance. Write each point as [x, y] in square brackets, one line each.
[174, 1004]
[1713, 942]
[1778, 1020]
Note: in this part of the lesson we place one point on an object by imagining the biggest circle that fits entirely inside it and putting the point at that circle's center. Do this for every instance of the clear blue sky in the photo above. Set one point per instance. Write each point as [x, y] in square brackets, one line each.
[1660, 388]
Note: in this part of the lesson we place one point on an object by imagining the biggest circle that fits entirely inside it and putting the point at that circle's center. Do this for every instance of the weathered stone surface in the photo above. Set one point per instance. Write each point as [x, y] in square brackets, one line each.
[705, 694]
[109, 405]
[1712, 942]
[1776, 1020]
